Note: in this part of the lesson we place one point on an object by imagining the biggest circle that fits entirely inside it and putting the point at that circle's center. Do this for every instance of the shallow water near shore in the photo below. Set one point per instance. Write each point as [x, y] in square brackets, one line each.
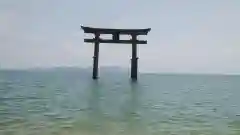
[71, 103]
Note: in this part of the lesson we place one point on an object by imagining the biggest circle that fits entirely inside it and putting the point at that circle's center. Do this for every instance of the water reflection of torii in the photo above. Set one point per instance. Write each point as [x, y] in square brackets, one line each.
[130, 115]
[93, 101]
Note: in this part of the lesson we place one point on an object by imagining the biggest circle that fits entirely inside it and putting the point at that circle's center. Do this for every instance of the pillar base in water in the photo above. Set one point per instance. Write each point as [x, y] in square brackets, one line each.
[134, 69]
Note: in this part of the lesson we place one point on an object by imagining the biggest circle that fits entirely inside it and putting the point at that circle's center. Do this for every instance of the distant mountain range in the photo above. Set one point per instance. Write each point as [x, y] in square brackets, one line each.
[88, 70]
[102, 70]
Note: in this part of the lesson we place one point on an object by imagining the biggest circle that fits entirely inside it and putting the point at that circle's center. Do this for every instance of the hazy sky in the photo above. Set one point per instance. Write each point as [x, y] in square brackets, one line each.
[197, 36]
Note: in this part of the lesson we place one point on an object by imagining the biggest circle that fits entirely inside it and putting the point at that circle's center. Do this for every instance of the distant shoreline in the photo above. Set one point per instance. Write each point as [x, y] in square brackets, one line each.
[111, 69]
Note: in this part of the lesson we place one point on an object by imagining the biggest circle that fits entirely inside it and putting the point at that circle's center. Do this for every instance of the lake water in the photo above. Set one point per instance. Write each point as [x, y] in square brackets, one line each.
[69, 102]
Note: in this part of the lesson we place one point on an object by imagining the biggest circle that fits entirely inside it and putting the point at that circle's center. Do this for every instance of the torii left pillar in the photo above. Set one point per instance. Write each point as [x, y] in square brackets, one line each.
[96, 56]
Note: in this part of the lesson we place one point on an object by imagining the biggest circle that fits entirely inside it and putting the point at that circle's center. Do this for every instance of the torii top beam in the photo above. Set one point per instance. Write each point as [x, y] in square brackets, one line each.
[115, 35]
[116, 31]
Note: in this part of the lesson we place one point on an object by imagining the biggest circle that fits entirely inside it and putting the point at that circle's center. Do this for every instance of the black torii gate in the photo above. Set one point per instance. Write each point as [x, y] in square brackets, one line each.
[116, 39]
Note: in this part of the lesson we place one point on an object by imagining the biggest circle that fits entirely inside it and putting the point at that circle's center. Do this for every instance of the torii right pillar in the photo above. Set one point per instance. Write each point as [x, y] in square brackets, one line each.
[134, 60]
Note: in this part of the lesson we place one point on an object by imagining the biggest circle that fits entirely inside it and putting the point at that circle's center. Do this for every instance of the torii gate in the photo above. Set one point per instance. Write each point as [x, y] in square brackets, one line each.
[115, 39]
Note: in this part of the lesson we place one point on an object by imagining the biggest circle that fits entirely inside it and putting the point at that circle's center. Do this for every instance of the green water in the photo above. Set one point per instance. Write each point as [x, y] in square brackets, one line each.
[71, 103]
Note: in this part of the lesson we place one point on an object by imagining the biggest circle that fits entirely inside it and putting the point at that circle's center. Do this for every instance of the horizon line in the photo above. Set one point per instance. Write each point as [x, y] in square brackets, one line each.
[114, 67]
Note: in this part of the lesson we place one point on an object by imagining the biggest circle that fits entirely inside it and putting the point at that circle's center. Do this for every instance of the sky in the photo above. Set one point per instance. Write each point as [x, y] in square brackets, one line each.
[187, 36]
